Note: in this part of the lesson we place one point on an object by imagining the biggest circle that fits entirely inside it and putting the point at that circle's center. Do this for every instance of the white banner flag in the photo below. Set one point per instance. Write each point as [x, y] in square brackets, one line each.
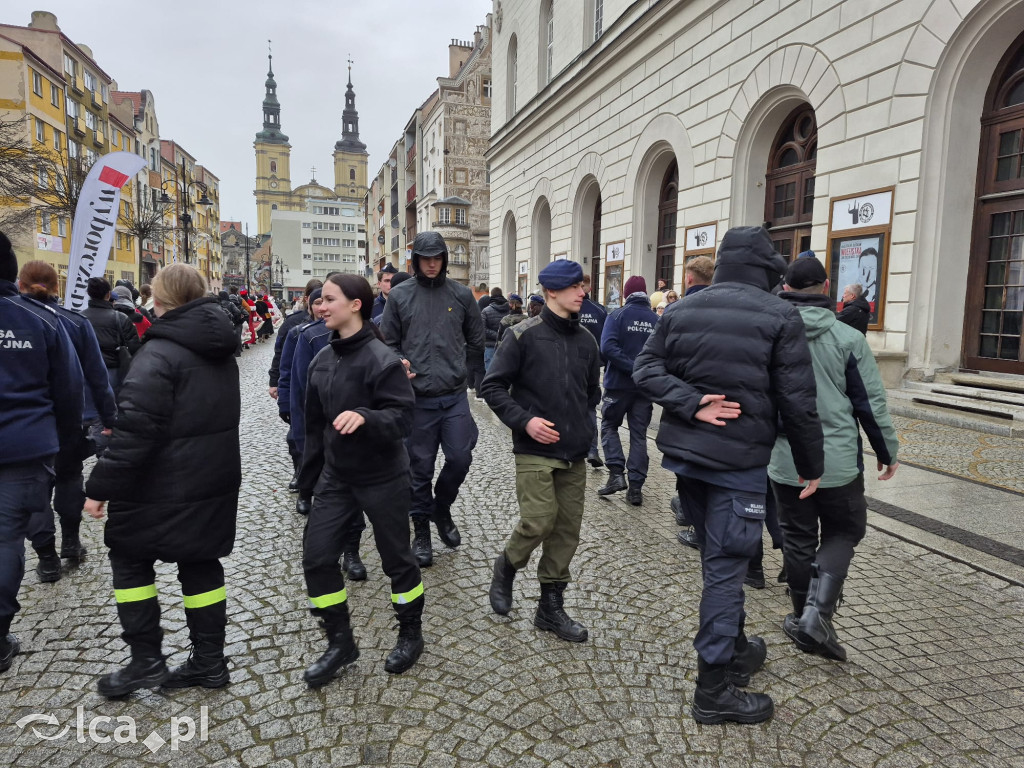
[95, 220]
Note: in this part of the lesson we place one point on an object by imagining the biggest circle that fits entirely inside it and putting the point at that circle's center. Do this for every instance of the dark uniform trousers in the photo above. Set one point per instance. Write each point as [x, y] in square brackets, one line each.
[842, 513]
[619, 404]
[551, 493]
[24, 492]
[444, 422]
[68, 496]
[729, 523]
[336, 505]
[202, 588]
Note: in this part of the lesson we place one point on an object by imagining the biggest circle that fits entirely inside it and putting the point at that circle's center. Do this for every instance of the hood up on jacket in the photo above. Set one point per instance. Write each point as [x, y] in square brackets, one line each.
[200, 326]
[747, 255]
[429, 244]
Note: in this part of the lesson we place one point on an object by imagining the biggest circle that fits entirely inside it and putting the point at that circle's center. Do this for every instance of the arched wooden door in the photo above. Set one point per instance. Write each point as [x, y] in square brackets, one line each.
[789, 198]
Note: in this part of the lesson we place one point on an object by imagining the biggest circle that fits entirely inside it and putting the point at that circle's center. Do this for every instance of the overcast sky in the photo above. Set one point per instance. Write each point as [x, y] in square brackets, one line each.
[206, 64]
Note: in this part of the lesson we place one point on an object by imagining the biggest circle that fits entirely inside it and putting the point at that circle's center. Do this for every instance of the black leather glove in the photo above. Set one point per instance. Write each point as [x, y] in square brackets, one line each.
[285, 417]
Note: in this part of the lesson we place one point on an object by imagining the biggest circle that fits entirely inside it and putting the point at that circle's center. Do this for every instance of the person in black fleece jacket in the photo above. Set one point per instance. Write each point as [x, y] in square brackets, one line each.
[359, 409]
[543, 384]
[726, 363]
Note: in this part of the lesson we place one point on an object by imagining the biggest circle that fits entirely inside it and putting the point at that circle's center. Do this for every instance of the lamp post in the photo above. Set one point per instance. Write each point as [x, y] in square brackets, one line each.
[247, 257]
[182, 187]
[278, 272]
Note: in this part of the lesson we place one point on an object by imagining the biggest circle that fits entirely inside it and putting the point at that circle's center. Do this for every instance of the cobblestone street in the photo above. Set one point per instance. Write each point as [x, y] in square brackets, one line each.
[935, 676]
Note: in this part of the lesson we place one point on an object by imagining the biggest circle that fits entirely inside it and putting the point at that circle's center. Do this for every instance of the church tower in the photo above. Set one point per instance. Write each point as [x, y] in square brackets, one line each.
[273, 158]
[350, 155]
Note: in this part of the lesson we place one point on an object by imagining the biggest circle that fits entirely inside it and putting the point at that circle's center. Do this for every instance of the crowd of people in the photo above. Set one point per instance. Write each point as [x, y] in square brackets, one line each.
[763, 392]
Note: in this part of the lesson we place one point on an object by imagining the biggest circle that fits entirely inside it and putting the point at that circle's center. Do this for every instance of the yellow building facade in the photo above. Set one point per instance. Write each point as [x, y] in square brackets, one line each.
[273, 159]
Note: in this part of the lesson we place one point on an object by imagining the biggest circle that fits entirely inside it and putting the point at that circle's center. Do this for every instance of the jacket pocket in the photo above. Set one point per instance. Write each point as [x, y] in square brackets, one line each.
[743, 526]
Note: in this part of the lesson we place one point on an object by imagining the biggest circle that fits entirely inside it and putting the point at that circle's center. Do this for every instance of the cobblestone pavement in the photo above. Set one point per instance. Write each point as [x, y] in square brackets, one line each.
[935, 675]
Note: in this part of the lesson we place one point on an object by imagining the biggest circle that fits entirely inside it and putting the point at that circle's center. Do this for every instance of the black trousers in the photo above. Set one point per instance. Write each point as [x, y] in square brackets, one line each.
[336, 508]
[138, 608]
[842, 515]
[68, 496]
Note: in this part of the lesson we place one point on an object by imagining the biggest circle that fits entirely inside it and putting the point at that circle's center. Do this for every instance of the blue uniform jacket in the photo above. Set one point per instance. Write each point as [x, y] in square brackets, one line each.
[592, 317]
[99, 400]
[625, 332]
[41, 380]
[310, 340]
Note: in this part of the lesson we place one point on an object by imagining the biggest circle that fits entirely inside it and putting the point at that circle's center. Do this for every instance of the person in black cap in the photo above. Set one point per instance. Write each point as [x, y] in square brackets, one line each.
[725, 368]
[535, 306]
[384, 283]
[515, 314]
[434, 324]
[552, 366]
[41, 399]
[851, 398]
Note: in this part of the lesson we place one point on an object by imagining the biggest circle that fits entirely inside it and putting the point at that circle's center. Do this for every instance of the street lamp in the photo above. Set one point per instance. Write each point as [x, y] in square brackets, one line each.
[182, 187]
[279, 272]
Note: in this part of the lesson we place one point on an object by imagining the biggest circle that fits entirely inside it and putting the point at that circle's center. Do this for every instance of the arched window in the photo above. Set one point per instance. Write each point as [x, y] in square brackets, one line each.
[545, 65]
[995, 282]
[668, 206]
[273, 166]
[789, 200]
[512, 77]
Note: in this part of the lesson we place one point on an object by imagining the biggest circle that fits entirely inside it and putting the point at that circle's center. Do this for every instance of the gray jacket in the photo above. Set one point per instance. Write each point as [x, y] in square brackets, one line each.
[434, 325]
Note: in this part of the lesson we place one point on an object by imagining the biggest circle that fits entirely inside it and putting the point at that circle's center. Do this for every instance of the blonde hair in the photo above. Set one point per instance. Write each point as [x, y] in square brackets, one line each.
[702, 268]
[176, 285]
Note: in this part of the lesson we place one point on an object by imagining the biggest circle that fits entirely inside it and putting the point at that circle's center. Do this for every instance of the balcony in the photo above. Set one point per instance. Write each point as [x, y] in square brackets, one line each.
[97, 99]
[99, 139]
[410, 196]
[77, 84]
[410, 156]
[80, 125]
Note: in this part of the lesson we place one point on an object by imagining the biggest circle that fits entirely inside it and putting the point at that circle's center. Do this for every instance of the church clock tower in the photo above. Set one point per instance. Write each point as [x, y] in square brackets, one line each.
[350, 155]
[273, 158]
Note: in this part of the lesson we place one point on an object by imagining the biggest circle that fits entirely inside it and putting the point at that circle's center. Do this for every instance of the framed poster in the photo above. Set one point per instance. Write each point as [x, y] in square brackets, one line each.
[522, 279]
[560, 257]
[860, 227]
[700, 240]
[614, 263]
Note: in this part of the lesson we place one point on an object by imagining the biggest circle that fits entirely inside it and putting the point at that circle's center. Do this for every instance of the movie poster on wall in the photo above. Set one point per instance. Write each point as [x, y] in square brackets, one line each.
[858, 260]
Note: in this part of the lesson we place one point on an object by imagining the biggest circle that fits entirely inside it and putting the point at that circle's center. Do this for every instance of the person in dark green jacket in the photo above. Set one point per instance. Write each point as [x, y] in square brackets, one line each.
[850, 397]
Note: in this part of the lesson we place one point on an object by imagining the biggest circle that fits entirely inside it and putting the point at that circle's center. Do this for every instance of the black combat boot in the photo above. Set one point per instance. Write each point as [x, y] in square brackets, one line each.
[446, 530]
[352, 564]
[682, 519]
[341, 647]
[816, 621]
[140, 622]
[501, 585]
[410, 637]
[689, 538]
[716, 700]
[421, 545]
[71, 544]
[303, 506]
[747, 658]
[48, 567]
[791, 624]
[293, 484]
[9, 645]
[552, 617]
[635, 495]
[206, 666]
[616, 482]
[594, 458]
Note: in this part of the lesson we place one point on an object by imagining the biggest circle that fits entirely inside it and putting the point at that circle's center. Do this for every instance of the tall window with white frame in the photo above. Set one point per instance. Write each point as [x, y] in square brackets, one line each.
[512, 71]
[547, 42]
[598, 18]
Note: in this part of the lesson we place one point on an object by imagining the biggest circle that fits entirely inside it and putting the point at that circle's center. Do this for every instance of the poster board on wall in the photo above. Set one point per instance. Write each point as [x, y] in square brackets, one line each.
[614, 263]
[860, 229]
[700, 240]
[523, 279]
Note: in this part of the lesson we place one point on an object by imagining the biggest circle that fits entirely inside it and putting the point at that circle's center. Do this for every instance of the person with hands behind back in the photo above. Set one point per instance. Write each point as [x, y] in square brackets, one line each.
[359, 409]
[725, 365]
[543, 383]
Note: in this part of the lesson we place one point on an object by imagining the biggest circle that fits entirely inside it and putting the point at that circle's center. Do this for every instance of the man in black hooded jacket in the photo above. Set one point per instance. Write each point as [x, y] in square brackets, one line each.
[726, 365]
[435, 326]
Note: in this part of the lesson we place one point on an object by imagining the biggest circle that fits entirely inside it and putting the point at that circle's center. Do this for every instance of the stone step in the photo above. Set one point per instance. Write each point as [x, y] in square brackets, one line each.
[968, 413]
[1004, 382]
[1005, 397]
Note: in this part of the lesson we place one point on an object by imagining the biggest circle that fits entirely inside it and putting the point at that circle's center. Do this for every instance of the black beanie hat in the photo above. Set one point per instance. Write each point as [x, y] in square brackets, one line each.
[8, 261]
[805, 272]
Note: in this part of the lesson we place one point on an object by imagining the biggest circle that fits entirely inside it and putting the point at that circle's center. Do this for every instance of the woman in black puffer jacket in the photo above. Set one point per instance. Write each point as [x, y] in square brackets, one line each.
[172, 474]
